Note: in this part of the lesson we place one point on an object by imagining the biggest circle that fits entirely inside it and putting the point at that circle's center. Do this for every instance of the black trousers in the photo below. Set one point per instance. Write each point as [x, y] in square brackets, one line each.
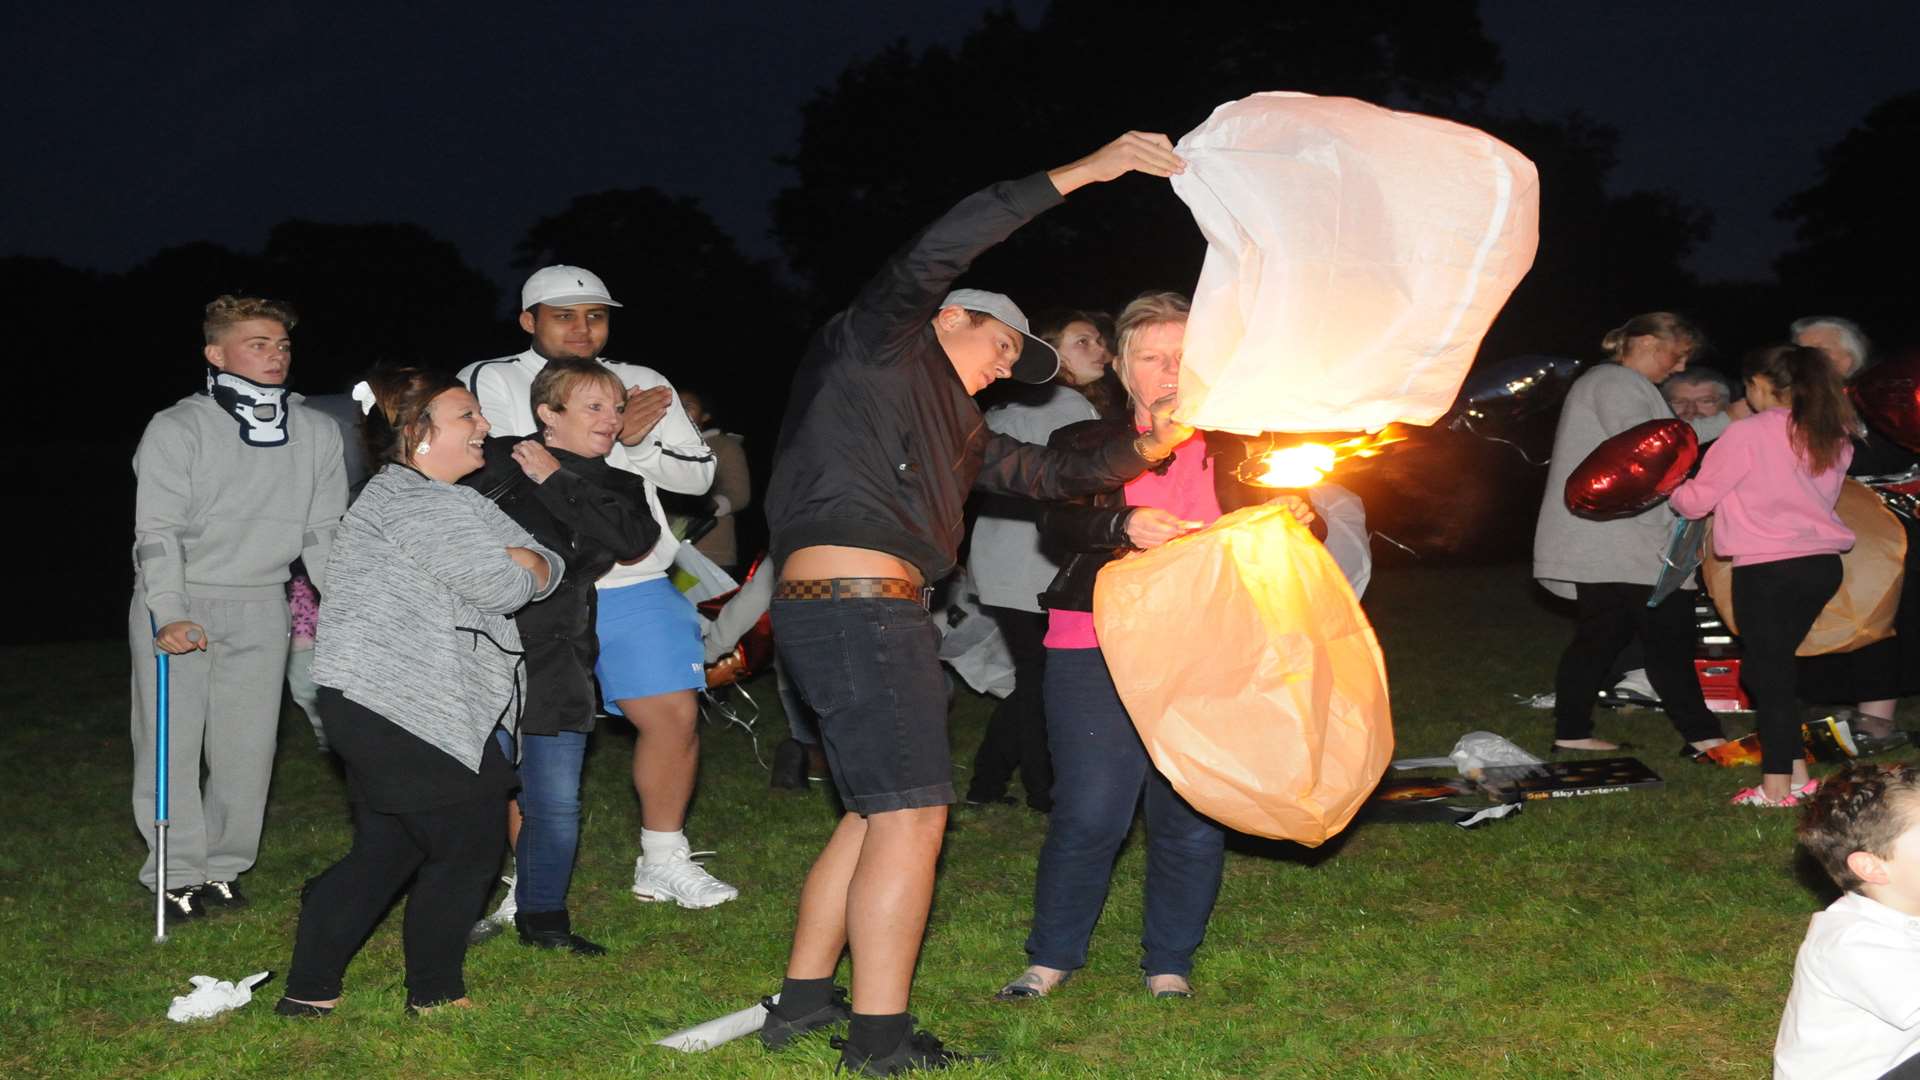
[1607, 616]
[1775, 604]
[448, 853]
[1016, 736]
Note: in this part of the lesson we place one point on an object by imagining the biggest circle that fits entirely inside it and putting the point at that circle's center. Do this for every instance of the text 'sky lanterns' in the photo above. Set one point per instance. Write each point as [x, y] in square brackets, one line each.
[1634, 470]
[1888, 397]
[1274, 721]
[1355, 258]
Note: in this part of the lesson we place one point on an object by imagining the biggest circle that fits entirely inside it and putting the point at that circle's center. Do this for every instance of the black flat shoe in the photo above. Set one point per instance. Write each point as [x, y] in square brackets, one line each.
[553, 930]
[301, 1009]
[1698, 757]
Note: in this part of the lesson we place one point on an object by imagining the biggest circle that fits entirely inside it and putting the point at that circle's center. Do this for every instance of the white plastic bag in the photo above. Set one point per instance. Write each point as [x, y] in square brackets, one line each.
[1355, 258]
[1482, 749]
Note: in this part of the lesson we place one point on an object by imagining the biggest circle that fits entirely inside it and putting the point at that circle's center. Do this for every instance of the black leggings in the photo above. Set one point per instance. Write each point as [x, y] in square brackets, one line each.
[1774, 605]
[1017, 735]
[1608, 616]
[449, 854]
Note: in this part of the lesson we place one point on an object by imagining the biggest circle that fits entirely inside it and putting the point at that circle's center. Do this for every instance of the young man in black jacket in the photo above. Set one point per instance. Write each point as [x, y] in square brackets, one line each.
[880, 445]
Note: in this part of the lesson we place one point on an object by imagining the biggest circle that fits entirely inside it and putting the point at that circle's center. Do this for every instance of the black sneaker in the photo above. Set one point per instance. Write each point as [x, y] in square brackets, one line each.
[789, 766]
[919, 1050]
[779, 1030]
[222, 894]
[552, 930]
[185, 903]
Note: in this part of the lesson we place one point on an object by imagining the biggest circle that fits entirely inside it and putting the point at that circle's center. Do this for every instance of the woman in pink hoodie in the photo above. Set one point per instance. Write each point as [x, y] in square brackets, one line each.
[1771, 481]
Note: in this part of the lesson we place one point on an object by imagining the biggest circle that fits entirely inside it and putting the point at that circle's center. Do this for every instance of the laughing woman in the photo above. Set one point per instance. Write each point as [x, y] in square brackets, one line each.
[417, 664]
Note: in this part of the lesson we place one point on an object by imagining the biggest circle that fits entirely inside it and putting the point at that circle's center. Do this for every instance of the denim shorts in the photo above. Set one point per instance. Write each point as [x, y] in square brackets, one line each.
[871, 670]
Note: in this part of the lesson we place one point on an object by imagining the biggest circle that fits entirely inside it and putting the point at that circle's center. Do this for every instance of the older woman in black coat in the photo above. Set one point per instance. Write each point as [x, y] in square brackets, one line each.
[560, 488]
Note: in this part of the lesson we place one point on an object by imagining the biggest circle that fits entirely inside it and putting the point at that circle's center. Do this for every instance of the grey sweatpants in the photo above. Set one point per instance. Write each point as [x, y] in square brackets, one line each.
[224, 706]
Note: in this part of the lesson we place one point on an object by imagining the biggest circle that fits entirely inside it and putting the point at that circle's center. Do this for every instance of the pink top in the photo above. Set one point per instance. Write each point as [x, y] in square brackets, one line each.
[1766, 506]
[1184, 490]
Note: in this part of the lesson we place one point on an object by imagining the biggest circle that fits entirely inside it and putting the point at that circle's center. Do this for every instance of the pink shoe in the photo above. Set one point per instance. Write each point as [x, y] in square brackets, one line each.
[1755, 796]
[1807, 789]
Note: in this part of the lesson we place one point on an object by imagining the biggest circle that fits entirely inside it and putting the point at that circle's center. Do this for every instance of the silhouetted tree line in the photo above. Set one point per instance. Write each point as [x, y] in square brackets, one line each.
[903, 134]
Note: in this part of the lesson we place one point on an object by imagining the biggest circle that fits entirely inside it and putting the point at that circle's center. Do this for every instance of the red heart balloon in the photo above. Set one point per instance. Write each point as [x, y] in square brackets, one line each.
[1633, 470]
[1888, 399]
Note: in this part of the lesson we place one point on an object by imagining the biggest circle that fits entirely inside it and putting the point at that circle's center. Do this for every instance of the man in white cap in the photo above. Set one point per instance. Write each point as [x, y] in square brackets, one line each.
[651, 659]
[881, 443]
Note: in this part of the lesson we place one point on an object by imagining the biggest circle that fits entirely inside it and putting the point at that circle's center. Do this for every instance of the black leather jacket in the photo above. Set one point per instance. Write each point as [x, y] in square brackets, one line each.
[881, 442]
[594, 515]
[1087, 534]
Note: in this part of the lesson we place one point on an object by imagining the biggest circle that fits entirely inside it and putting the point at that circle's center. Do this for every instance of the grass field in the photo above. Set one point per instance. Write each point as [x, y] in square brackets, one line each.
[1642, 935]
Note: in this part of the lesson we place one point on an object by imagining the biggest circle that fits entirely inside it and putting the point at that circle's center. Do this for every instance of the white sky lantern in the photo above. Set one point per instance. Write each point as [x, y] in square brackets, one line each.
[1355, 258]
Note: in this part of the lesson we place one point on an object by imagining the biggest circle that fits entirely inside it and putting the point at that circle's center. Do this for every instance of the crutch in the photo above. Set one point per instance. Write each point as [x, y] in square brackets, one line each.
[160, 750]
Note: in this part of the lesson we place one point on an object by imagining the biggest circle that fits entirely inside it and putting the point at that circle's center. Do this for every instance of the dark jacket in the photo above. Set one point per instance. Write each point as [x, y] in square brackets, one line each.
[881, 442]
[1087, 534]
[594, 515]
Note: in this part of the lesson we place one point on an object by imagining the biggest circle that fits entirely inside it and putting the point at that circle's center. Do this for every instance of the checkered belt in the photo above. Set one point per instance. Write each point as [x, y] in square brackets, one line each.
[852, 588]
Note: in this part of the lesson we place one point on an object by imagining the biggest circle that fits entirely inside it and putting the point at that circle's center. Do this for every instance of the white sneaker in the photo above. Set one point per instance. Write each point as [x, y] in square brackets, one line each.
[680, 880]
[503, 915]
[1636, 682]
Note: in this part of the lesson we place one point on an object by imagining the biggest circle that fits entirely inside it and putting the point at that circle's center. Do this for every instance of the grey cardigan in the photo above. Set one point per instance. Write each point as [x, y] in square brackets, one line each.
[414, 624]
[1605, 401]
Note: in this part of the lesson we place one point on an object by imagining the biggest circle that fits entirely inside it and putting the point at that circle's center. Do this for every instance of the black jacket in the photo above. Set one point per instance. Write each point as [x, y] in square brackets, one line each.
[881, 442]
[594, 515]
[1089, 533]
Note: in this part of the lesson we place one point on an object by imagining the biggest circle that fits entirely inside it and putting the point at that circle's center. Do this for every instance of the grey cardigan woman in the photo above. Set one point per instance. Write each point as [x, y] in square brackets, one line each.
[1608, 568]
[417, 663]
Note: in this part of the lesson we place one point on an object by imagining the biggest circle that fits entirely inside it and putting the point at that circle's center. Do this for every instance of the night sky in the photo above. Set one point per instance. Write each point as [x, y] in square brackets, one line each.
[133, 128]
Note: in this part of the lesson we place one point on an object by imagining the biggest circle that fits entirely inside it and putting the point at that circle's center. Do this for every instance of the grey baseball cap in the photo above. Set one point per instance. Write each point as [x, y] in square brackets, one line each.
[1035, 365]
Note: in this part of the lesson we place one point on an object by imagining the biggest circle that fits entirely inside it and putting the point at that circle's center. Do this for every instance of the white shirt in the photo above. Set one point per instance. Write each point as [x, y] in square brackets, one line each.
[1854, 1010]
[672, 456]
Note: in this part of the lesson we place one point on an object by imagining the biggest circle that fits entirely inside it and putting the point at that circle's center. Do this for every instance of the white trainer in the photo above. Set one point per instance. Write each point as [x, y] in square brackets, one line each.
[680, 880]
[503, 915]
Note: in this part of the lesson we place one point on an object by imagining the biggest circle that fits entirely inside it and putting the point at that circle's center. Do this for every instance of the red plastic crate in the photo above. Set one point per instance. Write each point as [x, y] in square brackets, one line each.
[1720, 683]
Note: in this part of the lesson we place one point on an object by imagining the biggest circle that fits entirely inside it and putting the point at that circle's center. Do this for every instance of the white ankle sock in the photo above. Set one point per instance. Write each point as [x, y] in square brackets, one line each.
[659, 847]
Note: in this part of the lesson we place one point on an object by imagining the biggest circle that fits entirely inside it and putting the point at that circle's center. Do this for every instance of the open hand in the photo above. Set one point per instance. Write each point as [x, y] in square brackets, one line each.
[1150, 526]
[535, 461]
[644, 410]
[182, 636]
[1136, 151]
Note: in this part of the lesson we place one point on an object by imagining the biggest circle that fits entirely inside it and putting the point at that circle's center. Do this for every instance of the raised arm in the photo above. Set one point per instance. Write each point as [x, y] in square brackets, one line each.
[900, 300]
[1728, 460]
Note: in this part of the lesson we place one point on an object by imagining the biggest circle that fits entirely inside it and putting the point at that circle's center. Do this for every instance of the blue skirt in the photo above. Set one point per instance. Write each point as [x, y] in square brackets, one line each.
[649, 642]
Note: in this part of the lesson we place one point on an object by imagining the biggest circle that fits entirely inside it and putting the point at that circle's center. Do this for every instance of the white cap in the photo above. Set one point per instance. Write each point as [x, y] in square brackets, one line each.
[1034, 365]
[564, 286]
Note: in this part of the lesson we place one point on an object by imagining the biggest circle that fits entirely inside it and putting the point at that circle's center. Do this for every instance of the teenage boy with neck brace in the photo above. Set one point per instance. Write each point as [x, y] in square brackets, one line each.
[235, 481]
[881, 443]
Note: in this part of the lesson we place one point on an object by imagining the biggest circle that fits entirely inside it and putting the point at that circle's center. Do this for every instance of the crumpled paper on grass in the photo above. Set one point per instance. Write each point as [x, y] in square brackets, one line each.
[1251, 674]
[212, 996]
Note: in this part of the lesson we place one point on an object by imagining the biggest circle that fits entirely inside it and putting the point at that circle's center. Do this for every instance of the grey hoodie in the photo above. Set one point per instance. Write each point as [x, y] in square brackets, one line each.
[216, 518]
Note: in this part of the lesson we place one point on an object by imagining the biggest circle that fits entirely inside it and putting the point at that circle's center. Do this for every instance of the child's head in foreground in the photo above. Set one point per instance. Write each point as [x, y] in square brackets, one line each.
[1863, 825]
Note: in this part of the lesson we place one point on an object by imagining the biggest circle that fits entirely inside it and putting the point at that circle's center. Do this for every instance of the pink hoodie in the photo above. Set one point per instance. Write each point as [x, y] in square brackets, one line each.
[1767, 506]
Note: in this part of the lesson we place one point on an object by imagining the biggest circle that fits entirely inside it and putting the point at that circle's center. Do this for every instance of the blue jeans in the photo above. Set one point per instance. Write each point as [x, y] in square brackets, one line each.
[549, 818]
[1100, 769]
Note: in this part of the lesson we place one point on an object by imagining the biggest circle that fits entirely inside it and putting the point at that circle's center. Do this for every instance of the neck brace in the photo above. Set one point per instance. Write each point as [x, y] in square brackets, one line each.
[260, 410]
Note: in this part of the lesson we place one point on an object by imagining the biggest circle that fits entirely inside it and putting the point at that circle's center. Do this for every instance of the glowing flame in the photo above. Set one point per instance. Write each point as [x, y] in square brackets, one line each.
[1307, 464]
